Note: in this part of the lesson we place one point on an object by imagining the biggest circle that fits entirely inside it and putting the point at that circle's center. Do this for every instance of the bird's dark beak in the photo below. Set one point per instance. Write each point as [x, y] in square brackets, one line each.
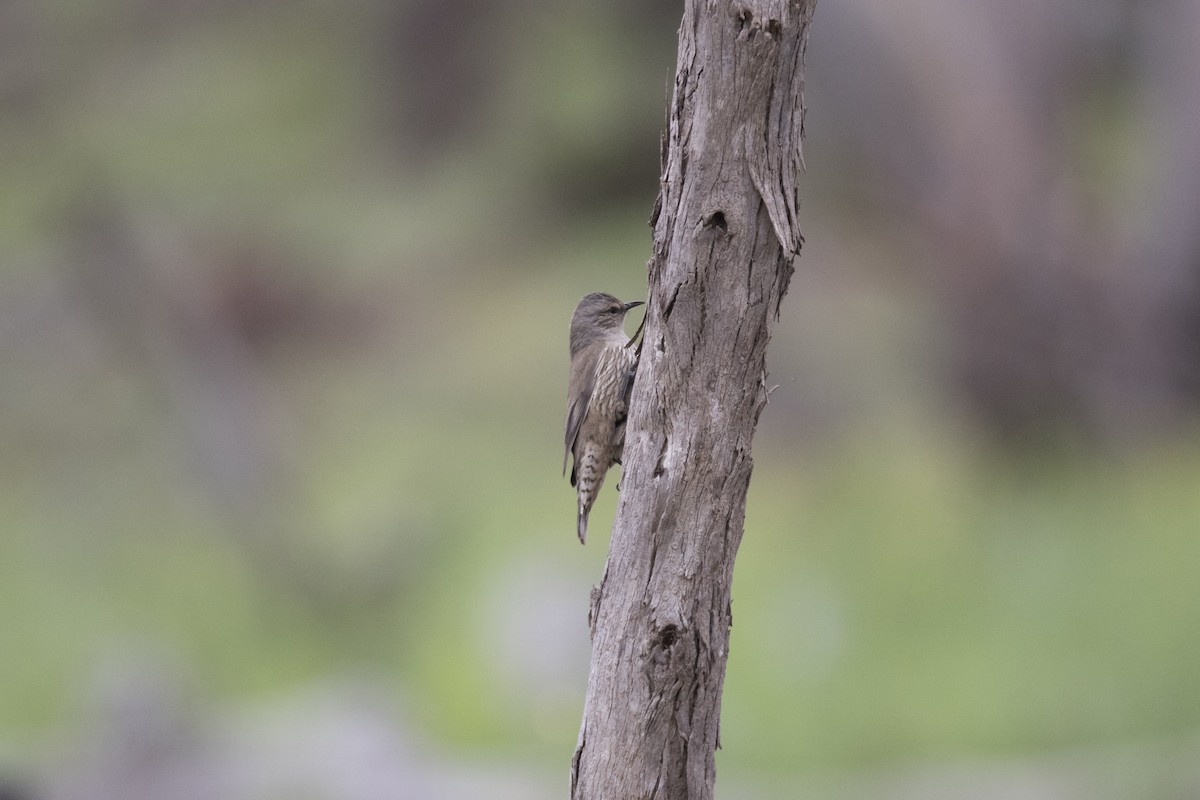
[633, 304]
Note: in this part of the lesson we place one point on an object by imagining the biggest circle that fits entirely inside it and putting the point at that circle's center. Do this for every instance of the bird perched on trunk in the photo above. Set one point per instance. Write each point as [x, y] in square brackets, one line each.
[602, 367]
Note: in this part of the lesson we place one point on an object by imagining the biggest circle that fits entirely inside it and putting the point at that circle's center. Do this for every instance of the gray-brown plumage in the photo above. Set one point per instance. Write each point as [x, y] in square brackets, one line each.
[602, 367]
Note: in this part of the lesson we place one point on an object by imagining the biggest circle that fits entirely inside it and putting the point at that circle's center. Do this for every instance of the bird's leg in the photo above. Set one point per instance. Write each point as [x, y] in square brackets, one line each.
[637, 335]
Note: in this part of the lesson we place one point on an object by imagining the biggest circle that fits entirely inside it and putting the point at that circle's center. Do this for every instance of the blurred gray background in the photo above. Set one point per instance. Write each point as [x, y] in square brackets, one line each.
[284, 290]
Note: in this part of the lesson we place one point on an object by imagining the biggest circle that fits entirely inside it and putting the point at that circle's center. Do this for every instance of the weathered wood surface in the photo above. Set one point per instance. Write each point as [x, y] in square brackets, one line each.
[725, 238]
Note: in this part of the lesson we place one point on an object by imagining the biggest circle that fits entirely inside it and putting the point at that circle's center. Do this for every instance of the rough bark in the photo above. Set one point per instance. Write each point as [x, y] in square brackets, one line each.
[725, 238]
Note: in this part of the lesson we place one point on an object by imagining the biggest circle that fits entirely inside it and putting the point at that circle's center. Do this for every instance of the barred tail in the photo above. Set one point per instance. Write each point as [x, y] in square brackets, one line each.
[581, 524]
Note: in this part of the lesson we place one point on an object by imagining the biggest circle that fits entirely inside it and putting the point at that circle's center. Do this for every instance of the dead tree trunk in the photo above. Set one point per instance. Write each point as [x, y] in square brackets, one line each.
[725, 237]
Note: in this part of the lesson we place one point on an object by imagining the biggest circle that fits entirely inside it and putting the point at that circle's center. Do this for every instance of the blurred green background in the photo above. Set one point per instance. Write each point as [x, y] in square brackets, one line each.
[284, 290]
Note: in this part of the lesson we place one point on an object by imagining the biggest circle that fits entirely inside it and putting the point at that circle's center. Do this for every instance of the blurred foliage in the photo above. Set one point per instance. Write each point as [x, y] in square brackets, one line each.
[283, 303]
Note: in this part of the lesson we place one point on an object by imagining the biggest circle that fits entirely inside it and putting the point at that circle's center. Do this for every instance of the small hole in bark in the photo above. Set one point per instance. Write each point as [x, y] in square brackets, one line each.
[668, 636]
[716, 220]
[743, 16]
[774, 28]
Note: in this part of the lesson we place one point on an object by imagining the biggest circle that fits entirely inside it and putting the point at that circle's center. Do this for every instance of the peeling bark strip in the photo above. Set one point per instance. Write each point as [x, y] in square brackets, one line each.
[725, 236]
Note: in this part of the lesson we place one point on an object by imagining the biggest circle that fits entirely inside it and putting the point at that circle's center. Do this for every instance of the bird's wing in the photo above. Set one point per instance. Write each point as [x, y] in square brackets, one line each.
[583, 381]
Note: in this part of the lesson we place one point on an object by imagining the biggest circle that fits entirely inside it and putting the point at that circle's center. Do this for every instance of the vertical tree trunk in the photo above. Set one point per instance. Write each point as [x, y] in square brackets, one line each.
[725, 237]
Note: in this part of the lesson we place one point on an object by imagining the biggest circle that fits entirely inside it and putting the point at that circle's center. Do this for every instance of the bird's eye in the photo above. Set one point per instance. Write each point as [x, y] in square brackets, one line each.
[614, 309]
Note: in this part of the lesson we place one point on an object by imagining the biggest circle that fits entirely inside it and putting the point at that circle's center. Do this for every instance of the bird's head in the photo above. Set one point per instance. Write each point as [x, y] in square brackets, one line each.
[597, 316]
